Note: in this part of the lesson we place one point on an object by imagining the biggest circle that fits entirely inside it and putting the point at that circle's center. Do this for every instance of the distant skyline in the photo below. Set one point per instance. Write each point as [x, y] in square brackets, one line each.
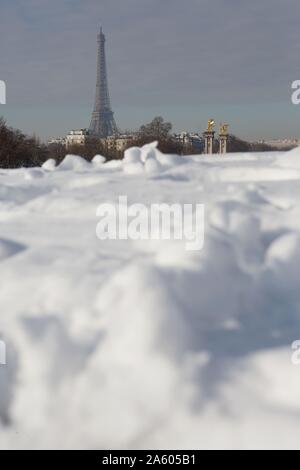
[188, 61]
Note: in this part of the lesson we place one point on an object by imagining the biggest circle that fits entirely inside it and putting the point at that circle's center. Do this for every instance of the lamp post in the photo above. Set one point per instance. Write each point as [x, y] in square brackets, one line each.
[209, 136]
[223, 138]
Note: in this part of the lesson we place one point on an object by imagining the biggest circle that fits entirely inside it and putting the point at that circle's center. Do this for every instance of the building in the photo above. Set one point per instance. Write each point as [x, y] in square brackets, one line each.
[118, 143]
[192, 141]
[57, 141]
[281, 143]
[79, 137]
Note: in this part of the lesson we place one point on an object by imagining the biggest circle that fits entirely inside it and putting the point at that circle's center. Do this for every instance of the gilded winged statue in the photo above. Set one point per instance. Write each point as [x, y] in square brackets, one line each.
[224, 129]
[210, 125]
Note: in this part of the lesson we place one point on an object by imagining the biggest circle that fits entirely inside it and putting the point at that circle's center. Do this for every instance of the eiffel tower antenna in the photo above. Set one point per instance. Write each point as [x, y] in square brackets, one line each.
[102, 122]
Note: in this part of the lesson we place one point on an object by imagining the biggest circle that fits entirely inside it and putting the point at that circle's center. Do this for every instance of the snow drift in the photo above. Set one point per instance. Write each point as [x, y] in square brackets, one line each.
[123, 344]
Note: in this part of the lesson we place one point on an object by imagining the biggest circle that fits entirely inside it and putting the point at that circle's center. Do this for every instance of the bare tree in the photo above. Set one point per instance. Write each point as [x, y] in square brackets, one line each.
[18, 150]
[159, 130]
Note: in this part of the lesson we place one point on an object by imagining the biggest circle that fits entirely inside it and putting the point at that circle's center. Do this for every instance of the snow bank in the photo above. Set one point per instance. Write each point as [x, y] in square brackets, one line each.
[33, 174]
[73, 162]
[148, 159]
[9, 248]
[124, 344]
[49, 165]
[98, 160]
[290, 159]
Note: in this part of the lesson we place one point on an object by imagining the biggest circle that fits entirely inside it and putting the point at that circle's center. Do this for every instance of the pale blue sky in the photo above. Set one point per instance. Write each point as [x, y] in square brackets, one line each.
[233, 60]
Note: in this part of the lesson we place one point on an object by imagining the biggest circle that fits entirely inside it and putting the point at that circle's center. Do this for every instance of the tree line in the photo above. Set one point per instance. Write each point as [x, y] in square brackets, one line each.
[19, 150]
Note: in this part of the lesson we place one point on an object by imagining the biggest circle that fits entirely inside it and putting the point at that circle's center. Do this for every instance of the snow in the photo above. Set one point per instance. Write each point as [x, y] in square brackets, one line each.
[130, 344]
[98, 160]
[49, 165]
[73, 162]
[291, 160]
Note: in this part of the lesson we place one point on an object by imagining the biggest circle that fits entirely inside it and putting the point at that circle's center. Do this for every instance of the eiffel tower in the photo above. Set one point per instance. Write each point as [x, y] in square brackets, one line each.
[103, 122]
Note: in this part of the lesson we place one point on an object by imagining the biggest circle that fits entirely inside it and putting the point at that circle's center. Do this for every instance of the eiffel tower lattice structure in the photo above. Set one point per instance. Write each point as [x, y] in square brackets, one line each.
[102, 123]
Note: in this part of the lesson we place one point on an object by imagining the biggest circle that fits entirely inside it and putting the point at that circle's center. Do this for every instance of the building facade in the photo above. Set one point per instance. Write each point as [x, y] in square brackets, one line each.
[79, 137]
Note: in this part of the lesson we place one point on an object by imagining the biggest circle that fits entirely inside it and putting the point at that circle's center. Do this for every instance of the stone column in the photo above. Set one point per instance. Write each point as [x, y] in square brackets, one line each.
[223, 138]
[209, 136]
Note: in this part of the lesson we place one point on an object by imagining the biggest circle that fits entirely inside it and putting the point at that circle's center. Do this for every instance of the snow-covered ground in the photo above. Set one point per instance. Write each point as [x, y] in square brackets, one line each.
[123, 344]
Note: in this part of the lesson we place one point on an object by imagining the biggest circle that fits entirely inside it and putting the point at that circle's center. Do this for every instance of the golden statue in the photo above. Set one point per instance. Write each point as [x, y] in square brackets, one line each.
[224, 129]
[210, 125]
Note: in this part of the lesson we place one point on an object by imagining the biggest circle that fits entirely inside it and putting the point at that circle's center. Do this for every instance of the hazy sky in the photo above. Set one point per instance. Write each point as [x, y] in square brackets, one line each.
[233, 60]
